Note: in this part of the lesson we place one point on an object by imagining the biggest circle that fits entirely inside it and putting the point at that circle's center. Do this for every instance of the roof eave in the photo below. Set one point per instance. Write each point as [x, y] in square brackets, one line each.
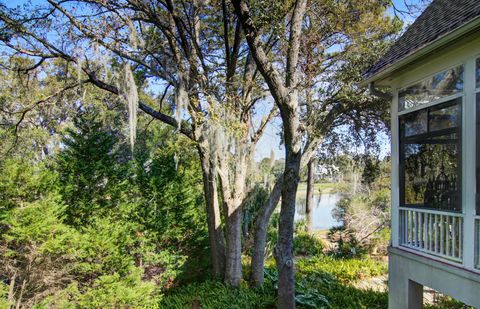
[387, 71]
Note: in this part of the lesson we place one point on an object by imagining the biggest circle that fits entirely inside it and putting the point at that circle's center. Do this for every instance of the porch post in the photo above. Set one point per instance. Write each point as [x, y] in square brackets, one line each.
[395, 213]
[469, 164]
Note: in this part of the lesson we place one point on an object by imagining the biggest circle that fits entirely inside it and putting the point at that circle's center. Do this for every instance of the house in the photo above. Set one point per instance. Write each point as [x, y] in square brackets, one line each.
[433, 75]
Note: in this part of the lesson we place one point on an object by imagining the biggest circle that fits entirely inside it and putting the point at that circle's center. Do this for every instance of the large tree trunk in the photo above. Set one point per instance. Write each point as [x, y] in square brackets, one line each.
[215, 233]
[260, 233]
[284, 248]
[310, 191]
[233, 269]
[233, 191]
[286, 98]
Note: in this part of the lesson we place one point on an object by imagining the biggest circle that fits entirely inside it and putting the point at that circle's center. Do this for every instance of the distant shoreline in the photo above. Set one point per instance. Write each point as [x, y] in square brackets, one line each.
[320, 187]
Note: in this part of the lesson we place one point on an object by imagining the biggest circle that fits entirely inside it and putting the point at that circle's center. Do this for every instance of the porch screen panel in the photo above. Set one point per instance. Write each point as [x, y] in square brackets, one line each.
[440, 85]
[430, 145]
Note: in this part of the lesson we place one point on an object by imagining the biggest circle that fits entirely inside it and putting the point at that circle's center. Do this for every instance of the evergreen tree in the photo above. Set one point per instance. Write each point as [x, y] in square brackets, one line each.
[90, 170]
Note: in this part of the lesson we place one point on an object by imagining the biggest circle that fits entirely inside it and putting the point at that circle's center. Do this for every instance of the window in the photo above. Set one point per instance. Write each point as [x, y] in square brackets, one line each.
[430, 146]
[440, 85]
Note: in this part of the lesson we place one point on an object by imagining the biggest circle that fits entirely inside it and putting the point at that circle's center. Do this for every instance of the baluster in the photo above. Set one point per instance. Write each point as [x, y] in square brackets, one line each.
[430, 236]
[420, 229]
[410, 227]
[447, 235]
[460, 236]
[442, 239]
[431, 231]
[415, 235]
[454, 236]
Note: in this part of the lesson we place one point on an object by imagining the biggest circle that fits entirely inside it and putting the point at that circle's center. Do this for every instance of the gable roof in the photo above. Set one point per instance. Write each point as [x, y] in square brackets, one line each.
[440, 18]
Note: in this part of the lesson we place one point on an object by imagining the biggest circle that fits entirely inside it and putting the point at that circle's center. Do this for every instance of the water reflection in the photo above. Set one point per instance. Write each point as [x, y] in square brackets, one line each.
[321, 214]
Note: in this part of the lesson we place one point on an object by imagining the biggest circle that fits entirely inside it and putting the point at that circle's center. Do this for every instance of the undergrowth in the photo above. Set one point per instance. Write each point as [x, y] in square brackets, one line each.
[321, 282]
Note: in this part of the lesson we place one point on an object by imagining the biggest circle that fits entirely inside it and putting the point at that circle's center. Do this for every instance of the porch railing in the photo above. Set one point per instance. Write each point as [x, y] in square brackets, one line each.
[433, 232]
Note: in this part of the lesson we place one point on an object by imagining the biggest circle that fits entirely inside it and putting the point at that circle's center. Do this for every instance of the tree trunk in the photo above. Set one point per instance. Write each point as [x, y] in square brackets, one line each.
[284, 248]
[260, 234]
[310, 191]
[234, 195]
[355, 182]
[233, 269]
[286, 98]
[215, 233]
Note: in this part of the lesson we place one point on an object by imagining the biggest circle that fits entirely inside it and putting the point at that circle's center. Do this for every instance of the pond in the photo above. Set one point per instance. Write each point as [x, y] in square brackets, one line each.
[321, 216]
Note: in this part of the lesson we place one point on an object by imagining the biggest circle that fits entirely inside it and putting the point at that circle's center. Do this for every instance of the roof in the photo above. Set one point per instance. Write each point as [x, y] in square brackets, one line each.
[440, 18]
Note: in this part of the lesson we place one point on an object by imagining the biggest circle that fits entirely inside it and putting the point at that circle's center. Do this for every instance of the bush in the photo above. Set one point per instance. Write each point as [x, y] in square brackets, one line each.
[35, 258]
[307, 244]
[108, 291]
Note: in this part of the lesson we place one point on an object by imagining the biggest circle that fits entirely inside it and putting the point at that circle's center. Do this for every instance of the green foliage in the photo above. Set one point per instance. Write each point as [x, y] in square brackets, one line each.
[21, 181]
[365, 216]
[254, 201]
[34, 249]
[371, 170]
[304, 243]
[345, 271]
[446, 302]
[90, 170]
[214, 294]
[347, 245]
[108, 291]
[330, 281]
[95, 230]
[3, 296]
[307, 244]
[321, 282]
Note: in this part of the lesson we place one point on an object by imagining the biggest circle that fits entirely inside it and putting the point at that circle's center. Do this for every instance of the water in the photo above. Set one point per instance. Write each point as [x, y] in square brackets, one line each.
[321, 215]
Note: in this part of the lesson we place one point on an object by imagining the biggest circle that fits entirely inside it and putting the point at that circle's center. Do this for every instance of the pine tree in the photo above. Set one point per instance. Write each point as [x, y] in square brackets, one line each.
[89, 169]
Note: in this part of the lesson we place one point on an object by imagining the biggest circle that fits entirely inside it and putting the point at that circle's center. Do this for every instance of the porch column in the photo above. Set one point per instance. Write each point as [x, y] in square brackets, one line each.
[395, 201]
[469, 164]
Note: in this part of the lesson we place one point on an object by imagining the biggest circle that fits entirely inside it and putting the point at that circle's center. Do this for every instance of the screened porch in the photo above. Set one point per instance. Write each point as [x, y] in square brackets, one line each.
[435, 125]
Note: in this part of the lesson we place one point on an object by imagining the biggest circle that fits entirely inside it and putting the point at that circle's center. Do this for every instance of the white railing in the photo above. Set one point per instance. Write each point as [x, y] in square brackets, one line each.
[433, 232]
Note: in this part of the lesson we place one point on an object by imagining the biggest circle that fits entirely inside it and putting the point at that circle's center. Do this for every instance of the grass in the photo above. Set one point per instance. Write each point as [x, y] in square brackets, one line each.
[327, 187]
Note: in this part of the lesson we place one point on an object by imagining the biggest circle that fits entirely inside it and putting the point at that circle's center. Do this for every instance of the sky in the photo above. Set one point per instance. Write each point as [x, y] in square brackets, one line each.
[270, 141]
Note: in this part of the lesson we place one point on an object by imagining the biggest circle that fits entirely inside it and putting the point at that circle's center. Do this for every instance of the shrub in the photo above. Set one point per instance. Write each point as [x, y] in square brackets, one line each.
[307, 244]
[108, 291]
[35, 258]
